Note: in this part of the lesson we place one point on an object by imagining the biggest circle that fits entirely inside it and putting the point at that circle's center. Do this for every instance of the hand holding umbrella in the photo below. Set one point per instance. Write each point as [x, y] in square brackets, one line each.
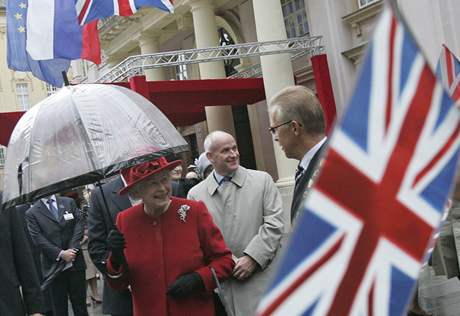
[116, 244]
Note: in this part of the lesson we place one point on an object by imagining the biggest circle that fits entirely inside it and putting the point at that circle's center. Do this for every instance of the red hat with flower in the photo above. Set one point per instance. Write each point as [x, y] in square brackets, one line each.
[140, 172]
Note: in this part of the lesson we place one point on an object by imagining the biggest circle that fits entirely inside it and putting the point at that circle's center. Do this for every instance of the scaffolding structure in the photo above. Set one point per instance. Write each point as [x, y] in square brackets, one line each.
[136, 65]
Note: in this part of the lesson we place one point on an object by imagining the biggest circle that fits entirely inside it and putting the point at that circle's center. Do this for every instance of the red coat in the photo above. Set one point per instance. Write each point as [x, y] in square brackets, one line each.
[158, 251]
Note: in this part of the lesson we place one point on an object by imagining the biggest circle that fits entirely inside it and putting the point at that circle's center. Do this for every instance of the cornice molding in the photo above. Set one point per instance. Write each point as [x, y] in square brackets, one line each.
[367, 12]
[356, 53]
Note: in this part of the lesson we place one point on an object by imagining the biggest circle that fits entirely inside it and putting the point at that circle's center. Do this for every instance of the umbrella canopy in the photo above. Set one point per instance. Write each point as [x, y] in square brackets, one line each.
[80, 135]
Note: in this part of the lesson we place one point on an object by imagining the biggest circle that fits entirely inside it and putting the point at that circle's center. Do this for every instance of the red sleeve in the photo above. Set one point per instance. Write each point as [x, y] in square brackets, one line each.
[117, 279]
[215, 251]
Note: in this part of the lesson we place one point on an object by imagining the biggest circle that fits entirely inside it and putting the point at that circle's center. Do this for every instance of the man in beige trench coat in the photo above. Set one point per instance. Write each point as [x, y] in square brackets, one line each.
[246, 206]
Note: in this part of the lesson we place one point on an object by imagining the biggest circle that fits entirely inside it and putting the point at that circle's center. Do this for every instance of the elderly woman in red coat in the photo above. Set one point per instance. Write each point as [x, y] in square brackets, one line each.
[165, 248]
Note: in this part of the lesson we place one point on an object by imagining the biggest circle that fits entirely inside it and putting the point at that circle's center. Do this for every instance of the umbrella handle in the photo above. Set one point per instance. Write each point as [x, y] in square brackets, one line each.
[112, 224]
[106, 206]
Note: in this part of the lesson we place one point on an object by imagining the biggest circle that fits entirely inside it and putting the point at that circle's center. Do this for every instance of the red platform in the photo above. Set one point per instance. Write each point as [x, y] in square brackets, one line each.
[183, 101]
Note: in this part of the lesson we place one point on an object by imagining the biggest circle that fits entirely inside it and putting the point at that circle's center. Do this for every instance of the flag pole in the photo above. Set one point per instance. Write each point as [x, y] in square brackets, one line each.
[64, 77]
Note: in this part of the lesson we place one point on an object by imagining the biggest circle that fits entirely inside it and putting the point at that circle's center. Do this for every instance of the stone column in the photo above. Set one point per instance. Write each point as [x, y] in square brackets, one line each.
[276, 70]
[148, 43]
[277, 74]
[204, 23]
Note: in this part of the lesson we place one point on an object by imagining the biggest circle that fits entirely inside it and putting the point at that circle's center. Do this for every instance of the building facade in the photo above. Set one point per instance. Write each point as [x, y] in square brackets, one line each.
[345, 27]
[18, 90]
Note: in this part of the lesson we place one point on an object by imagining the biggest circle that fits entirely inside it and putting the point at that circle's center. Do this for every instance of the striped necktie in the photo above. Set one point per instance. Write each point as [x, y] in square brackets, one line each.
[53, 208]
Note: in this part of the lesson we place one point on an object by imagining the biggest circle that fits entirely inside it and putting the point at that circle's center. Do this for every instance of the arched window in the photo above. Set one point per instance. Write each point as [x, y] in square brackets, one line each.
[225, 39]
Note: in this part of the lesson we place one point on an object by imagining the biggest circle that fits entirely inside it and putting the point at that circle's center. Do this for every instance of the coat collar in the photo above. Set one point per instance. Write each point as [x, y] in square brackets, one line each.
[239, 178]
[122, 202]
[46, 212]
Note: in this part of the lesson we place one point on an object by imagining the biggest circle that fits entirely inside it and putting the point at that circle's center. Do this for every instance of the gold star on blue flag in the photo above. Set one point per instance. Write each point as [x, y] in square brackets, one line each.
[17, 56]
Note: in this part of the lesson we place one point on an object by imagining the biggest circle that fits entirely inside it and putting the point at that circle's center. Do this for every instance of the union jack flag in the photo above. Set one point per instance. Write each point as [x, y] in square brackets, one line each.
[448, 70]
[368, 219]
[90, 10]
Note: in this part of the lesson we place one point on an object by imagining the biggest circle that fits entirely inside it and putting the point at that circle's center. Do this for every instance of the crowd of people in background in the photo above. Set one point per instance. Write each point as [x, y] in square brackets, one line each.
[203, 240]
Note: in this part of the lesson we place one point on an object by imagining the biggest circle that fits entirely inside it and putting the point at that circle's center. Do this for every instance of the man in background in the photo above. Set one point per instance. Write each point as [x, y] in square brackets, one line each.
[116, 303]
[20, 287]
[297, 124]
[55, 227]
[246, 205]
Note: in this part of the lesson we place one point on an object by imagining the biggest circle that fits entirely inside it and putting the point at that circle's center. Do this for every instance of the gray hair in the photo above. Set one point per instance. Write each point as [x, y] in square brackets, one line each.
[298, 103]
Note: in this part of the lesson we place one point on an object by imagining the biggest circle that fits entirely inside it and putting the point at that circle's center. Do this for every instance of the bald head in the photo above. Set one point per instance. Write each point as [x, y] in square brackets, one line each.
[215, 137]
[222, 152]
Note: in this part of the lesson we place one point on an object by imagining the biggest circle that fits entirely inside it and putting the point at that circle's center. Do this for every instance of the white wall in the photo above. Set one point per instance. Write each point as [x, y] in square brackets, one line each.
[433, 23]
[325, 18]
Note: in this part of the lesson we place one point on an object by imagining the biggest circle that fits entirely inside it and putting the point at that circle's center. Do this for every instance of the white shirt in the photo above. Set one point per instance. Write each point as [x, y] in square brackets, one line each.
[53, 201]
[219, 177]
[309, 155]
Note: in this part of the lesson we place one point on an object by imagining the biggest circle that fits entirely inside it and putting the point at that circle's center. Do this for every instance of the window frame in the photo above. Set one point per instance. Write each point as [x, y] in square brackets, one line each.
[2, 156]
[23, 95]
[367, 2]
[291, 10]
[50, 89]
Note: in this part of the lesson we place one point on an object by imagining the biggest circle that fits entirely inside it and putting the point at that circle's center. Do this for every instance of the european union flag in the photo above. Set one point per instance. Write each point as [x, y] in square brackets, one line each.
[17, 56]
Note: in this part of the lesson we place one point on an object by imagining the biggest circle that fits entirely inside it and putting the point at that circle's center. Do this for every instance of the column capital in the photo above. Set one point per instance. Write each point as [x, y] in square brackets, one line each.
[147, 36]
[184, 21]
[200, 4]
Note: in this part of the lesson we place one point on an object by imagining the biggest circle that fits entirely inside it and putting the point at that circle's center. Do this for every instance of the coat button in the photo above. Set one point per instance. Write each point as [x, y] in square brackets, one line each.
[154, 223]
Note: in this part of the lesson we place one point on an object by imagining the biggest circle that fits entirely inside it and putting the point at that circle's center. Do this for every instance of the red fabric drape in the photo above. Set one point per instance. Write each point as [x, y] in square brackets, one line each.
[8, 121]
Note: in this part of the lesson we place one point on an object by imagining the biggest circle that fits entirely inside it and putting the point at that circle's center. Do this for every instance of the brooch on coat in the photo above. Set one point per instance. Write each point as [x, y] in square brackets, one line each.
[182, 211]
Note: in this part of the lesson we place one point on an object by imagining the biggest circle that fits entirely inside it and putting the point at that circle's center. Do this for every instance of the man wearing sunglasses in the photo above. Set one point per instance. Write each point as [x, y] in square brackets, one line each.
[297, 124]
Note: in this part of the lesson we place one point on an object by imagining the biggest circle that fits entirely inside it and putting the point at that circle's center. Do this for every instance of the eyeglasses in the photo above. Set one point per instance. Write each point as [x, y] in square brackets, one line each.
[273, 128]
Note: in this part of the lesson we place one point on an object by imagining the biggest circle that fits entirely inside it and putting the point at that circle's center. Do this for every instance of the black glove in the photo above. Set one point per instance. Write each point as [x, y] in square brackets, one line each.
[186, 285]
[116, 244]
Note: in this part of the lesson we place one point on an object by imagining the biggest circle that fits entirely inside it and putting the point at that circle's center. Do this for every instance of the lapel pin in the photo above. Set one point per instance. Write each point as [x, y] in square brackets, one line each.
[182, 212]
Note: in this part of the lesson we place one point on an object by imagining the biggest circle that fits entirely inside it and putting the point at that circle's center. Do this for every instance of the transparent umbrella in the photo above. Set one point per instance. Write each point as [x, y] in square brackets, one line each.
[80, 135]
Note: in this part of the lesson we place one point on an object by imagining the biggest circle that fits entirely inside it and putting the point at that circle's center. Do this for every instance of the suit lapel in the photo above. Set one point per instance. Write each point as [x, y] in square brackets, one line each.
[211, 184]
[314, 161]
[302, 182]
[43, 209]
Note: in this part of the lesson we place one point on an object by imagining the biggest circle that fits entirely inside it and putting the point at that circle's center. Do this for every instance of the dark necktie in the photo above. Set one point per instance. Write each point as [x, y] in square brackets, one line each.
[298, 173]
[225, 179]
[53, 208]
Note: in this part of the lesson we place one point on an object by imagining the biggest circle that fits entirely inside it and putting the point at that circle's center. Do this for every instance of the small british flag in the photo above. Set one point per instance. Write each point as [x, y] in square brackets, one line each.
[381, 192]
[90, 10]
[448, 70]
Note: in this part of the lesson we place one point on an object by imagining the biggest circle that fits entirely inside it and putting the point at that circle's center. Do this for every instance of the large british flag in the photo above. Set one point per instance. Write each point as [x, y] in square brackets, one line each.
[388, 173]
[448, 70]
[90, 10]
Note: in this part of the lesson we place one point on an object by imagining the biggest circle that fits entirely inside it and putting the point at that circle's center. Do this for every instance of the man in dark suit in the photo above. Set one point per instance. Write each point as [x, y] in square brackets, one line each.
[56, 228]
[21, 210]
[17, 269]
[297, 124]
[99, 224]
